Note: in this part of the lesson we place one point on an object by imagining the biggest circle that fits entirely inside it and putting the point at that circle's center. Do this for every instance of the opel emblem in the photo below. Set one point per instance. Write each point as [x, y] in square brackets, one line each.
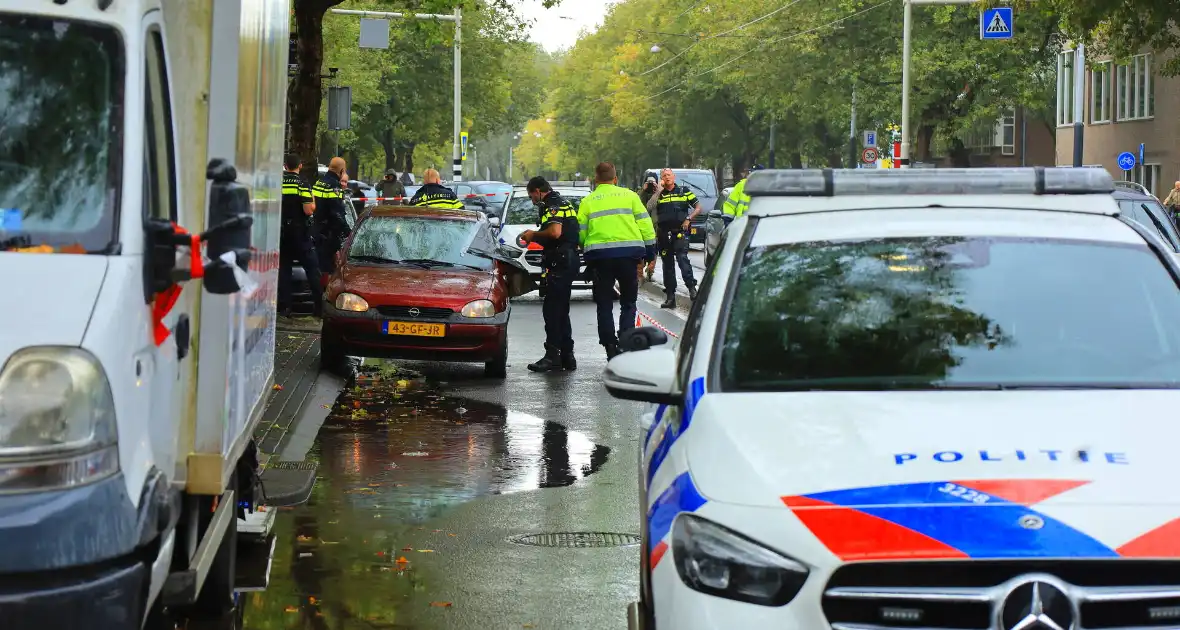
[414, 312]
[1037, 603]
[1032, 521]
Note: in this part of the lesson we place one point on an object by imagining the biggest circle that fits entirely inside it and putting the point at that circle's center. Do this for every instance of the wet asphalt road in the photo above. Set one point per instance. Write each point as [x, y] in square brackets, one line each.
[427, 470]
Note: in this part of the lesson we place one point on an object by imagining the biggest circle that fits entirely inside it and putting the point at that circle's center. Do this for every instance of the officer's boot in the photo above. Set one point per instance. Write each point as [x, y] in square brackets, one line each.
[612, 351]
[670, 302]
[551, 362]
[568, 362]
[692, 291]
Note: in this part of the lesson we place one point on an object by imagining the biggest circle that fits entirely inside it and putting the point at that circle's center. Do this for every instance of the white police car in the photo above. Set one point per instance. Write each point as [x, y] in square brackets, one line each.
[917, 399]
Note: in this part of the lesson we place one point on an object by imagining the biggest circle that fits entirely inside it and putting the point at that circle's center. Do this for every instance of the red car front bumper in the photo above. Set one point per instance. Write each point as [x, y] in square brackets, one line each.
[465, 340]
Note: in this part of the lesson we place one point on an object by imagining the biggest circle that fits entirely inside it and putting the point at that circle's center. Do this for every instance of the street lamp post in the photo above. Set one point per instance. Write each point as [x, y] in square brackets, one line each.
[457, 18]
[907, 28]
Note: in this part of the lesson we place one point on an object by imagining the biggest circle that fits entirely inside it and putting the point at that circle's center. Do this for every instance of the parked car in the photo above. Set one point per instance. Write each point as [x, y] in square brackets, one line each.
[521, 214]
[363, 195]
[495, 193]
[423, 283]
[703, 184]
[1147, 210]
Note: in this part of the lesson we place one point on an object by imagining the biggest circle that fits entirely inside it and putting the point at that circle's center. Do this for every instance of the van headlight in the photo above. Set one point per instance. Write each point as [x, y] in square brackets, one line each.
[479, 308]
[718, 561]
[57, 420]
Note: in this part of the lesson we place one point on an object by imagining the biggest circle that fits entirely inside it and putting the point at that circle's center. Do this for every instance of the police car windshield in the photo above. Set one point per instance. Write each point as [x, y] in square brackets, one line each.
[522, 211]
[444, 242]
[60, 131]
[951, 312]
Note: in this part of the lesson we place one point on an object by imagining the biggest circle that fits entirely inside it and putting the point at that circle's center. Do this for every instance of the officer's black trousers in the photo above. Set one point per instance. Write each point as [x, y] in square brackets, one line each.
[559, 284]
[292, 246]
[674, 252]
[607, 272]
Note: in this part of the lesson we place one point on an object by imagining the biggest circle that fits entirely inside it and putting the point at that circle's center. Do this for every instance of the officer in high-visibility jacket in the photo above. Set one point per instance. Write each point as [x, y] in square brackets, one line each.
[738, 201]
[433, 194]
[295, 240]
[331, 218]
[616, 233]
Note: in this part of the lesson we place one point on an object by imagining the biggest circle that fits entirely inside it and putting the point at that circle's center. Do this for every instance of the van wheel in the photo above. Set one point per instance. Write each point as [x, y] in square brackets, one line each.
[217, 593]
[498, 366]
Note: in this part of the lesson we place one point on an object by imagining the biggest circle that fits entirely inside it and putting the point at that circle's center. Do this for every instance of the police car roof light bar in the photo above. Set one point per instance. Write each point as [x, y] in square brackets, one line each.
[943, 181]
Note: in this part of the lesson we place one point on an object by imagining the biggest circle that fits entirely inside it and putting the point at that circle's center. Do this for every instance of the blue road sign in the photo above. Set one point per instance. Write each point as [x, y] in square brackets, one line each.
[996, 23]
[1127, 160]
[1142, 149]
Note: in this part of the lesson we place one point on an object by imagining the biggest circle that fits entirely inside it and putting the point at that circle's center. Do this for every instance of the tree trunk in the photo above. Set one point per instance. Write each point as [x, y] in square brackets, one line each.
[306, 93]
[408, 156]
[960, 156]
[796, 159]
[390, 150]
[925, 139]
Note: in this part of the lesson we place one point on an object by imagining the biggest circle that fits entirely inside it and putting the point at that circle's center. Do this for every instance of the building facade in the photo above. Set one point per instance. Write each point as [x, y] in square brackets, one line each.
[1124, 106]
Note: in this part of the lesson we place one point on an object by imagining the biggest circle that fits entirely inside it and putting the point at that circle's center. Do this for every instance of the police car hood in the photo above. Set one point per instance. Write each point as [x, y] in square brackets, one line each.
[934, 474]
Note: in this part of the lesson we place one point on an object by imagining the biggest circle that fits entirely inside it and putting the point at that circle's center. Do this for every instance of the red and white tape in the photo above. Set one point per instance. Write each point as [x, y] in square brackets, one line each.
[640, 316]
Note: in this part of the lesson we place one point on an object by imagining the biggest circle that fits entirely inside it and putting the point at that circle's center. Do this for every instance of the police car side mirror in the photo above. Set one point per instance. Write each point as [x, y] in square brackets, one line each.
[646, 376]
[494, 221]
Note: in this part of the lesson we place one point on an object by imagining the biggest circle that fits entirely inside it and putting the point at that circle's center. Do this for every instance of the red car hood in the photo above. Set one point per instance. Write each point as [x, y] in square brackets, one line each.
[450, 288]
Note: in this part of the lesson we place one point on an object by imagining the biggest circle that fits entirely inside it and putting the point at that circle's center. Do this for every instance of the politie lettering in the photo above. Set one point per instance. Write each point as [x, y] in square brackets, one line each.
[1018, 455]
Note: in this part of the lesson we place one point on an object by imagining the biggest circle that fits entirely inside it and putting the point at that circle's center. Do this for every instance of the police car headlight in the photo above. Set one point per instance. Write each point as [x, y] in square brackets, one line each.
[57, 420]
[479, 308]
[351, 302]
[717, 561]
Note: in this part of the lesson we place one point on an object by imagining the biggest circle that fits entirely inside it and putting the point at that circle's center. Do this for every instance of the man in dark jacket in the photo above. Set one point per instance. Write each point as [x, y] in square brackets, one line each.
[295, 241]
[433, 194]
[559, 238]
[331, 218]
[390, 190]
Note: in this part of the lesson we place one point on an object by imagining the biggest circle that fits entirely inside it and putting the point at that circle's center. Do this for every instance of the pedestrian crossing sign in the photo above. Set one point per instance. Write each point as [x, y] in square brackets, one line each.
[995, 23]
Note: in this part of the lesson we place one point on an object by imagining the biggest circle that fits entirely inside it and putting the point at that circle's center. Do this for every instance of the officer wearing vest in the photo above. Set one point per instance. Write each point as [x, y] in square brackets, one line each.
[331, 219]
[738, 201]
[433, 194]
[559, 237]
[676, 207]
[295, 241]
[616, 233]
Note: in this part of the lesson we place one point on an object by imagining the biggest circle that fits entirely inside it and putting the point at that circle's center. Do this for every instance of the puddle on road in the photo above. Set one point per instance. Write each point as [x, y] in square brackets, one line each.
[393, 454]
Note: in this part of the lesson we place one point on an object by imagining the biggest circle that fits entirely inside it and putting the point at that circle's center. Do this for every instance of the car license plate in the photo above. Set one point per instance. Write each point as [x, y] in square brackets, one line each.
[415, 329]
[694, 231]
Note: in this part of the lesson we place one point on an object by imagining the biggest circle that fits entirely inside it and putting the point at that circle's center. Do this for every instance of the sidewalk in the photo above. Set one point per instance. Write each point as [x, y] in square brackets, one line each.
[297, 408]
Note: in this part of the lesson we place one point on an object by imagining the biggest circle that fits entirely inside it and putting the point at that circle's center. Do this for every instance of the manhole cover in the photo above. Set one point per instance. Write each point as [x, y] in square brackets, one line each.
[579, 540]
[292, 466]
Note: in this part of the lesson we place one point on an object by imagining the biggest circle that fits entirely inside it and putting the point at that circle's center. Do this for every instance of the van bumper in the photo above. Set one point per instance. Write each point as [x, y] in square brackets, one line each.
[109, 598]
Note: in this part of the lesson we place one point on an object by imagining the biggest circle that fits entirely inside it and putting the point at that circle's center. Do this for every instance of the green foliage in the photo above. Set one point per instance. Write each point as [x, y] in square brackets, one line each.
[1122, 28]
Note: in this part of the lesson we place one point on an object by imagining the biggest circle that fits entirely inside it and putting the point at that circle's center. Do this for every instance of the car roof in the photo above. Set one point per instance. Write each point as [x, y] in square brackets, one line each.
[423, 212]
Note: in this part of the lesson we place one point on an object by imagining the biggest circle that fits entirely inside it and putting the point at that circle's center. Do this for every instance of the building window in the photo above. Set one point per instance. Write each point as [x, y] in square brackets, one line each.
[1100, 93]
[1134, 90]
[1065, 88]
[1006, 132]
[1146, 175]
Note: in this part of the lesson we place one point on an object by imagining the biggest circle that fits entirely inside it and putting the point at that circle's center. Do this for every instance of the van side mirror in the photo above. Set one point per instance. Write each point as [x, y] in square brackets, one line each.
[229, 213]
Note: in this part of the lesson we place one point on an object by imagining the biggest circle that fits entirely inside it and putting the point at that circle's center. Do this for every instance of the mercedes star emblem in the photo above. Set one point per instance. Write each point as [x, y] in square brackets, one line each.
[414, 312]
[1037, 604]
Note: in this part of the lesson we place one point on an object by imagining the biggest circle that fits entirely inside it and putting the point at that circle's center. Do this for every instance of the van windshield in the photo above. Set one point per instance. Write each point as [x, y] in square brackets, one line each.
[952, 313]
[60, 130]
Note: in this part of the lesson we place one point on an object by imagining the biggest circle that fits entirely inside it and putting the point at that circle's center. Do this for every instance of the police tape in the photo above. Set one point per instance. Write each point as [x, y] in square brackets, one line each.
[640, 316]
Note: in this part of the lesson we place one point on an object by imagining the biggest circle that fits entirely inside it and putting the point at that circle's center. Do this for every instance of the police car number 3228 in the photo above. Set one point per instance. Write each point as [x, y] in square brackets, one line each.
[916, 399]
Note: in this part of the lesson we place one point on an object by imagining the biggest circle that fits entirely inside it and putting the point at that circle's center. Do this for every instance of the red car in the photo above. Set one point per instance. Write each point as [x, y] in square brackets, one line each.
[423, 283]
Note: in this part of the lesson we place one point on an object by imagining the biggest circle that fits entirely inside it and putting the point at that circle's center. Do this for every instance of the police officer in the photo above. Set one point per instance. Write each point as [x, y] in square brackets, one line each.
[331, 219]
[559, 237]
[433, 194]
[616, 233]
[676, 207]
[738, 201]
[295, 240]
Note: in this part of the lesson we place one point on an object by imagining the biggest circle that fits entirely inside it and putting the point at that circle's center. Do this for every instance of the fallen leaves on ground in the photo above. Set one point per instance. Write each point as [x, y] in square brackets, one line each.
[278, 388]
[291, 609]
[425, 551]
[452, 535]
[441, 604]
[402, 560]
[407, 548]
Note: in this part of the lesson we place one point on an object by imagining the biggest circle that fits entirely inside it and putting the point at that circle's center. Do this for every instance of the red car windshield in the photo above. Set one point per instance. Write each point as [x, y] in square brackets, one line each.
[390, 239]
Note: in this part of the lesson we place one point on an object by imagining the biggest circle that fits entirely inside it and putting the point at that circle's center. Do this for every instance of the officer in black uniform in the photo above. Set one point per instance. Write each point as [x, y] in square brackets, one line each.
[676, 208]
[559, 237]
[433, 194]
[295, 239]
[331, 218]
